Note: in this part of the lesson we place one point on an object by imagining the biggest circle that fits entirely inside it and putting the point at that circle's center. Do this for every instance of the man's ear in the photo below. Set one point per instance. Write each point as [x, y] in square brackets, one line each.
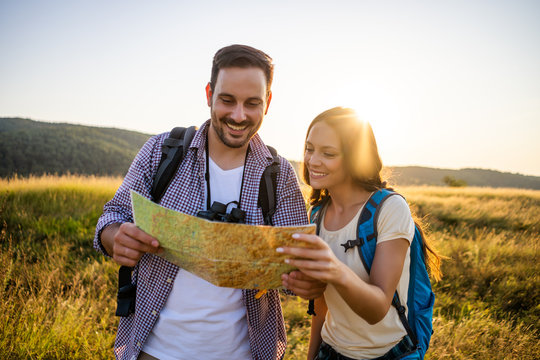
[208, 94]
[268, 99]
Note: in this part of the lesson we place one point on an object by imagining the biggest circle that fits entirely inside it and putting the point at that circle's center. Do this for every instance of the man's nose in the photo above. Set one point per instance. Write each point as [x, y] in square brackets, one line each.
[238, 113]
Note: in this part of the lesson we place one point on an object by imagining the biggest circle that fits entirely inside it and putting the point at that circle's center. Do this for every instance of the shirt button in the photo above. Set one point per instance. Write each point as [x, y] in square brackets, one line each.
[139, 344]
[169, 280]
[154, 312]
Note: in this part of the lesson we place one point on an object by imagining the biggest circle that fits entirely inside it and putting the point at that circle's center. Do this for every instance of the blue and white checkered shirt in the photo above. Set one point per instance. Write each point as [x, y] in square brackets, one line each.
[155, 276]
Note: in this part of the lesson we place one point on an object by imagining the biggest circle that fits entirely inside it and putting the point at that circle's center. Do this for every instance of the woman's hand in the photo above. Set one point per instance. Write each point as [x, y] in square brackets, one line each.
[316, 260]
[370, 300]
[302, 285]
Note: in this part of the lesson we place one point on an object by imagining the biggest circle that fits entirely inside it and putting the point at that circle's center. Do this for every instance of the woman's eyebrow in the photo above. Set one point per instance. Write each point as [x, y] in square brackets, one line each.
[325, 147]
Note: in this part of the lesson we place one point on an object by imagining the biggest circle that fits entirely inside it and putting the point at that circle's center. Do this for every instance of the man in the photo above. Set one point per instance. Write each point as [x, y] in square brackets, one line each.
[177, 314]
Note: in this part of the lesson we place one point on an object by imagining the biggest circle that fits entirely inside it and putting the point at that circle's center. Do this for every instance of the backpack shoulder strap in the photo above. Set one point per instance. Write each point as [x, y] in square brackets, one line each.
[125, 299]
[367, 240]
[267, 188]
[315, 217]
[367, 227]
[174, 149]
[315, 213]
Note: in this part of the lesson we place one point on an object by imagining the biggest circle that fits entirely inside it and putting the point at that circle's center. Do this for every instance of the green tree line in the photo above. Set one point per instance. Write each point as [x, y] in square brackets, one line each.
[29, 147]
[33, 148]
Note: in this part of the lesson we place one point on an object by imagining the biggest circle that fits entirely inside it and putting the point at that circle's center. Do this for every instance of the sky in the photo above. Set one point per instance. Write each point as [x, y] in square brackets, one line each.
[445, 84]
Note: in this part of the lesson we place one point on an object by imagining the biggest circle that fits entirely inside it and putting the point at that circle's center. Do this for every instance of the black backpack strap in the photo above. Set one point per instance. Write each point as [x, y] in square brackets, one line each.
[315, 216]
[267, 188]
[174, 149]
[125, 302]
[401, 312]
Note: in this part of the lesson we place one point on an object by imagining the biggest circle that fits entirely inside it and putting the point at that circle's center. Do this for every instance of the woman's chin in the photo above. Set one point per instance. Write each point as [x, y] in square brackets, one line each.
[316, 185]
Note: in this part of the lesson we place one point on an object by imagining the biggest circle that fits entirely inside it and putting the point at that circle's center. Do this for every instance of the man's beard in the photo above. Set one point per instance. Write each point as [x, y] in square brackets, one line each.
[222, 123]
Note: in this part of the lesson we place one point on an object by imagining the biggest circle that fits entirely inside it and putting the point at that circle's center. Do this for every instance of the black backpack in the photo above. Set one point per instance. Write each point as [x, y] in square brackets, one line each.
[174, 149]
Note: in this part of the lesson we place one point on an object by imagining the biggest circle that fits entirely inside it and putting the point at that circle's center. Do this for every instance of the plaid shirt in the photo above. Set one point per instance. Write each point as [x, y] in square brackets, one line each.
[155, 276]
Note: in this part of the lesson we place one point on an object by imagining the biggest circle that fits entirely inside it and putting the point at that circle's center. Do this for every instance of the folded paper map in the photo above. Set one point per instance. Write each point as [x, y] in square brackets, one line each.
[224, 254]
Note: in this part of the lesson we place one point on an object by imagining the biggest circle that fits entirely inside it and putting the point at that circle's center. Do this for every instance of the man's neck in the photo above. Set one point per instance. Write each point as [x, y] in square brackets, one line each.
[225, 157]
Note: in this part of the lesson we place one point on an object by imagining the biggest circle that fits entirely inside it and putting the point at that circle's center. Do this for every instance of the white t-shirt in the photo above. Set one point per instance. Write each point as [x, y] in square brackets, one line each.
[200, 320]
[343, 329]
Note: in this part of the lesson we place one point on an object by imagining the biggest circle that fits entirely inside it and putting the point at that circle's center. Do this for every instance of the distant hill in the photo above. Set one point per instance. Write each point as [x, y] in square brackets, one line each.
[416, 175]
[35, 147]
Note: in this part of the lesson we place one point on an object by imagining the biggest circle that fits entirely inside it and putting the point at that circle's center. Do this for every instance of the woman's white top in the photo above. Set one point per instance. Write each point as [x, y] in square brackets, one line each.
[343, 329]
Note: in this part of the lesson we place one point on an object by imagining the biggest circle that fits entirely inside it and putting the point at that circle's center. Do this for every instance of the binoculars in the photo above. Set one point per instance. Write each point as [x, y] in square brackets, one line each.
[218, 212]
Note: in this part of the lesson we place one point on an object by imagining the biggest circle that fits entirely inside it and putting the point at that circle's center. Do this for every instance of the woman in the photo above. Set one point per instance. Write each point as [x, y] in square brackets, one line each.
[354, 319]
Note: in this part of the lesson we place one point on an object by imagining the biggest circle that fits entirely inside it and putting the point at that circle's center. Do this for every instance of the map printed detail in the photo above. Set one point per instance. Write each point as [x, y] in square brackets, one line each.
[224, 254]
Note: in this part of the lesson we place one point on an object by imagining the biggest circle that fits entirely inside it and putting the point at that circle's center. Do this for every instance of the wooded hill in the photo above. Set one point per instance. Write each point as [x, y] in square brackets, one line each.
[33, 147]
[417, 175]
[30, 147]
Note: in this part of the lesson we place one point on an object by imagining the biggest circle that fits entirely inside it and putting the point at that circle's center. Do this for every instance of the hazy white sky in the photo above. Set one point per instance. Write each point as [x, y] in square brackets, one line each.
[447, 84]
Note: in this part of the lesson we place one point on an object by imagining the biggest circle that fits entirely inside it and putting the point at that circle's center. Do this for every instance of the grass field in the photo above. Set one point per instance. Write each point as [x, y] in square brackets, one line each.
[57, 295]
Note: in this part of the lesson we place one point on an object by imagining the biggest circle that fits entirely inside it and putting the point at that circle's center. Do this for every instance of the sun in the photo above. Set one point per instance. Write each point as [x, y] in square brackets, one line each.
[378, 107]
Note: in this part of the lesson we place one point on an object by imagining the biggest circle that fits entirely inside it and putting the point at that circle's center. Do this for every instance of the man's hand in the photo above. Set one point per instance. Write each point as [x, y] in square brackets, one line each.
[126, 243]
[302, 285]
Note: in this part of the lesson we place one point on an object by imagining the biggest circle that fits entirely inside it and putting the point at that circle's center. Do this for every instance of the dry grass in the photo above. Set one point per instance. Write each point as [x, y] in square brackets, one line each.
[48, 182]
[57, 295]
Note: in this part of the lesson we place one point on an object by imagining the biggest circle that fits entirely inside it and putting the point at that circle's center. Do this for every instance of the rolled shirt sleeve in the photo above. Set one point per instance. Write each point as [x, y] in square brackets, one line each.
[139, 178]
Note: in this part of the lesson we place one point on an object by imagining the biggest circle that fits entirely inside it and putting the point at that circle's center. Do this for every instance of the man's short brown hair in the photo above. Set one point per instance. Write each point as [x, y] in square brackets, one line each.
[242, 56]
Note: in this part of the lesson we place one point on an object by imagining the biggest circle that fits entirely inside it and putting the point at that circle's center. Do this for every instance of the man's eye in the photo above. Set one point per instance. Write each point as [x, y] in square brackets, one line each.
[309, 150]
[329, 155]
[226, 101]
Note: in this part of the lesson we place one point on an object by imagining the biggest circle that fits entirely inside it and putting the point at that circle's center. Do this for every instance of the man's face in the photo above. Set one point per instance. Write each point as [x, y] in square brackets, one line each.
[238, 104]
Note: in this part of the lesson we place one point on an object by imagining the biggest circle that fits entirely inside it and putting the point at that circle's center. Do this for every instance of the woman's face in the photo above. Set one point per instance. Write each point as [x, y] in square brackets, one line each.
[323, 158]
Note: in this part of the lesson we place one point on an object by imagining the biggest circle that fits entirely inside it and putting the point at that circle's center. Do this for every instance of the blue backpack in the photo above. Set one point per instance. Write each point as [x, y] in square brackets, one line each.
[420, 298]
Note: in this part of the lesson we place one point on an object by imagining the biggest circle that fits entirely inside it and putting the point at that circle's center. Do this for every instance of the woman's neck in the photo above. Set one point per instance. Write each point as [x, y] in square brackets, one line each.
[345, 202]
[347, 197]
